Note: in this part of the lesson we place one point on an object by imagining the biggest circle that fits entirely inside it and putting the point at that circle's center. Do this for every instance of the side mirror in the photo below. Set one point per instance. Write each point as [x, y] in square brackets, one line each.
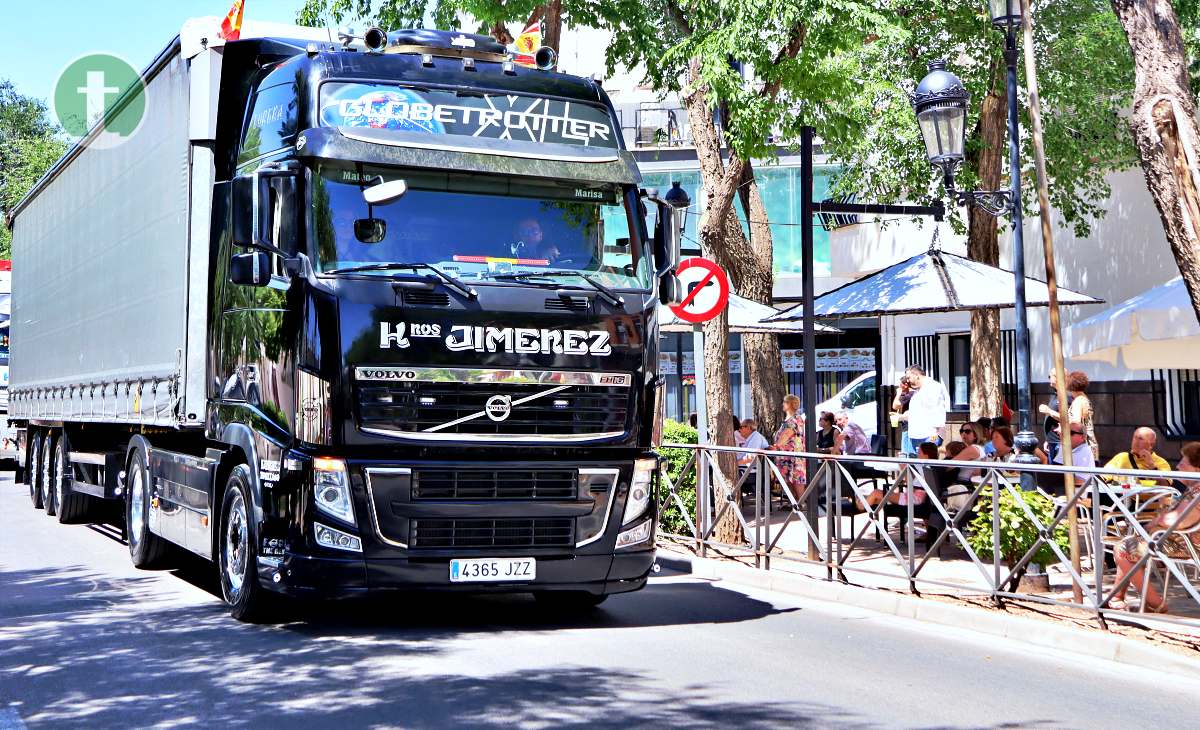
[265, 211]
[666, 240]
[250, 269]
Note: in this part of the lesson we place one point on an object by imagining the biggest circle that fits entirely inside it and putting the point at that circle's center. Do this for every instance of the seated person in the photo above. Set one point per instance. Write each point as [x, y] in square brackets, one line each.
[527, 239]
[827, 434]
[926, 450]
[752, 439]
[851, 439]
[1141, 456]
[989, 449]
[1179, 545]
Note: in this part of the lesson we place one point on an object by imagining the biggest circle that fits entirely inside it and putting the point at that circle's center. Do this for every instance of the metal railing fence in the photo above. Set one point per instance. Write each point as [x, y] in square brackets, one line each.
[1106, 507]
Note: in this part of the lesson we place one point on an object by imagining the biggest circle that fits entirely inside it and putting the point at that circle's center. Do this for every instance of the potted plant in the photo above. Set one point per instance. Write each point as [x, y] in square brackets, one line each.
[1018, 533]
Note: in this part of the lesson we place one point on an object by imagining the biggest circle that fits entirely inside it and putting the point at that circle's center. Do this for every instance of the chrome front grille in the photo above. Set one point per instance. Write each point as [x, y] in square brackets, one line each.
[550, 532]
[444, 403]
[491, 484]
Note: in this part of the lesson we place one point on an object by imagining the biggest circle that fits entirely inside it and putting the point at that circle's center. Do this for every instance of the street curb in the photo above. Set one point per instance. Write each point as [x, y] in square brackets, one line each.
[1098, 644]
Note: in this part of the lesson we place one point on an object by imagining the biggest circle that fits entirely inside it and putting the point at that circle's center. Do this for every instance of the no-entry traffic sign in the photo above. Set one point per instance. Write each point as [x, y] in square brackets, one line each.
[705, 287]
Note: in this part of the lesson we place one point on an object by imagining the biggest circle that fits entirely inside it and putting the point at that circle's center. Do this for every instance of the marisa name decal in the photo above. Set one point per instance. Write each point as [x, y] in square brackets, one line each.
[524, 340]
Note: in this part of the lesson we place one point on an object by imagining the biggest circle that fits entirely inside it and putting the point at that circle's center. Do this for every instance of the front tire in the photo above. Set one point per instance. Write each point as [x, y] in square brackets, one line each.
[35, 469]
[237, 551]
[145, 548]
[46, 470]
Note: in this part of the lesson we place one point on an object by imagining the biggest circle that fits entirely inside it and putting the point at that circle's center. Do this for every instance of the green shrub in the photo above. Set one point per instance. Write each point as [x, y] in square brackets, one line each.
[670, 520]
[1017, 532]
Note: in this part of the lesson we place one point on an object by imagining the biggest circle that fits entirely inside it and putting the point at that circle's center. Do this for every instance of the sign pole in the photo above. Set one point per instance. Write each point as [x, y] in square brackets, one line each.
[1060, 375]
[810, 339]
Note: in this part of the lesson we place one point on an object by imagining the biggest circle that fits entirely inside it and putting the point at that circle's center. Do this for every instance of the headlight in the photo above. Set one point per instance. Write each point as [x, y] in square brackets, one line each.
[336, 539]
[331, 488]
[635, 535]
[639, 489]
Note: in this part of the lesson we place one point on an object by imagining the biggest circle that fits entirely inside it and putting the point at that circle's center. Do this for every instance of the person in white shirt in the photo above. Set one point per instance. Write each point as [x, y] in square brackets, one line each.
[927, 408]
[1081, 451]
[750, 439]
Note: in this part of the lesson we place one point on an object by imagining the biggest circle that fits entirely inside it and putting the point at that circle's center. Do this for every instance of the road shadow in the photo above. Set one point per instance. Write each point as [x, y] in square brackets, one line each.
[79, 649]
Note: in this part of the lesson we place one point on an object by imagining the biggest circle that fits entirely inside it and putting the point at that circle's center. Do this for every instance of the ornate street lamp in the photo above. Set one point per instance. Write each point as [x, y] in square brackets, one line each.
[1006, 14]
[680, 201]
[940, 103]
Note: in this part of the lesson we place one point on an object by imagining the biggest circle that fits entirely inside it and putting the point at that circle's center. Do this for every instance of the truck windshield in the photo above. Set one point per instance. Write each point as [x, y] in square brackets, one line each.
[476, 227]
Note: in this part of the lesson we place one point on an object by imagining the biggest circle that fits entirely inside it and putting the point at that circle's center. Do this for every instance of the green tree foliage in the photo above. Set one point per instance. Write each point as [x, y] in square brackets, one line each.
[670, 517]
[28, 147]
[1086, 79]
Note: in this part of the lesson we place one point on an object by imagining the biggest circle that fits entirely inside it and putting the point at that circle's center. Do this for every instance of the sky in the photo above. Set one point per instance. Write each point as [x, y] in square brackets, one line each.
[38, 38]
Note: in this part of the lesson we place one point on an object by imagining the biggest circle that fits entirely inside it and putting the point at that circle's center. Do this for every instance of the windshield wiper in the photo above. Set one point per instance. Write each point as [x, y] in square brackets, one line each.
[607, 294]
[451, 281]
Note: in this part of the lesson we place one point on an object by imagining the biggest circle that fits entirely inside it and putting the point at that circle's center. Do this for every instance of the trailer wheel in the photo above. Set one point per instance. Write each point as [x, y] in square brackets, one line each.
[72, 505]
[145, 548]
[35, 472]
[237, 551]
[46, 462]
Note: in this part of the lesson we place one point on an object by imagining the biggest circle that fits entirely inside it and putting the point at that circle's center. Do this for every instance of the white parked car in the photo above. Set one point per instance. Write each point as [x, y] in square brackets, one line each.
[857, 398]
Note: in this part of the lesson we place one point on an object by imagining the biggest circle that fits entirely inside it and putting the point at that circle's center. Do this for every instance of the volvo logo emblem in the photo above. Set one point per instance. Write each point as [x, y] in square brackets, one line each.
[498, 407]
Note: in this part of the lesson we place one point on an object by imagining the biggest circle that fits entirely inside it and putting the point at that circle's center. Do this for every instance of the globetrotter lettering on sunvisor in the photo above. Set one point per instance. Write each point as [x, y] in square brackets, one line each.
[525, 340]
[474, 114]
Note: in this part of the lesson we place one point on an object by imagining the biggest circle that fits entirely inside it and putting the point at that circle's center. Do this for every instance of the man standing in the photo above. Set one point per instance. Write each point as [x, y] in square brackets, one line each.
[1141, 456]
[1081, 453]
[926, 414]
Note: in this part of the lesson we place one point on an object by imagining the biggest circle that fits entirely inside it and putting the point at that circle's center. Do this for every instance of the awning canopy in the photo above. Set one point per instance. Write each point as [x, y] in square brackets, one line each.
[745, 316]
[1154, 330]
[934, 281]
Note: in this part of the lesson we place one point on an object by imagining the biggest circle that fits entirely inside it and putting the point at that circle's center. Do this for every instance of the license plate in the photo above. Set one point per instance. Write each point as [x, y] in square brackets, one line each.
[488, 570]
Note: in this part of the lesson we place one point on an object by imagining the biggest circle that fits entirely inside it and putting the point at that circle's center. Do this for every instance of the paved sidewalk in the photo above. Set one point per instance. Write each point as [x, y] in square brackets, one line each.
[950, 572]
[1130, 647]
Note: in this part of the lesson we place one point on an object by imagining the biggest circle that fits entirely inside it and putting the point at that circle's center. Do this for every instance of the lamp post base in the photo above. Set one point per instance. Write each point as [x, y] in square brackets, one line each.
[1026, 443]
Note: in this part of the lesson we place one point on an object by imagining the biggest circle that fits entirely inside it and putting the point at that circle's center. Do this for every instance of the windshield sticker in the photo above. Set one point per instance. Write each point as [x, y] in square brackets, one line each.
[493, 116]
[521, 340]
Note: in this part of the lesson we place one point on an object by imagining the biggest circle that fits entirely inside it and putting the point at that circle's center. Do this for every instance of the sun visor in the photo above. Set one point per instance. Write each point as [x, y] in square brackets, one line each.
[469, 154]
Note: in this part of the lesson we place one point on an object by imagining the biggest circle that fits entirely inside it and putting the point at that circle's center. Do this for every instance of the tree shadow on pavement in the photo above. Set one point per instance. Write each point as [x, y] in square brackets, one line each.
[82, 649]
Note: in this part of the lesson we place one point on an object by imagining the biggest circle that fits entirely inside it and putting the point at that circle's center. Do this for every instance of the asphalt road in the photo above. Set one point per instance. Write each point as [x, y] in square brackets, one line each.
[88, 641]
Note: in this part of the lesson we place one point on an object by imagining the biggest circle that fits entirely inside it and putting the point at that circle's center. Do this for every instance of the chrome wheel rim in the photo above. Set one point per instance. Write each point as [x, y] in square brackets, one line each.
[35, 460]
[236, 544]
[137, 504]
[46, 486]
[60, 486]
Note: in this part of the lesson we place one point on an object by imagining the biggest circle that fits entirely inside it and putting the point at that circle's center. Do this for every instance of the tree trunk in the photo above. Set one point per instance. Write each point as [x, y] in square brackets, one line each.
[500, 33]
[982, 246]
[756, 279]
[722, 241]
[1164, 128]
[552, 24]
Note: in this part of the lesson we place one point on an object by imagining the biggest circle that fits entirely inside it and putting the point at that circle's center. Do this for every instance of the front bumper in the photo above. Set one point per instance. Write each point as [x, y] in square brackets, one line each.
[329, 577]
[390, 500]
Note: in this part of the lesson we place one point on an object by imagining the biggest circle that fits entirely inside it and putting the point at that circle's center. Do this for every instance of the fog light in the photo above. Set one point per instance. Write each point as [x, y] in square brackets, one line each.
[635, 535]
[329, 537]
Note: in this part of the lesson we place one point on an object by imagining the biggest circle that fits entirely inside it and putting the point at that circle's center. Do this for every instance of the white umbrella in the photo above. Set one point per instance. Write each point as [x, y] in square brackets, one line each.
[934, 281]
[745, 315]
[1154, 330]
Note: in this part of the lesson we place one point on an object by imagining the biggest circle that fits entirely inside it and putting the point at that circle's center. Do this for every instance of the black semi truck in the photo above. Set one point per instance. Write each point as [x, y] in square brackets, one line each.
[347, 314]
